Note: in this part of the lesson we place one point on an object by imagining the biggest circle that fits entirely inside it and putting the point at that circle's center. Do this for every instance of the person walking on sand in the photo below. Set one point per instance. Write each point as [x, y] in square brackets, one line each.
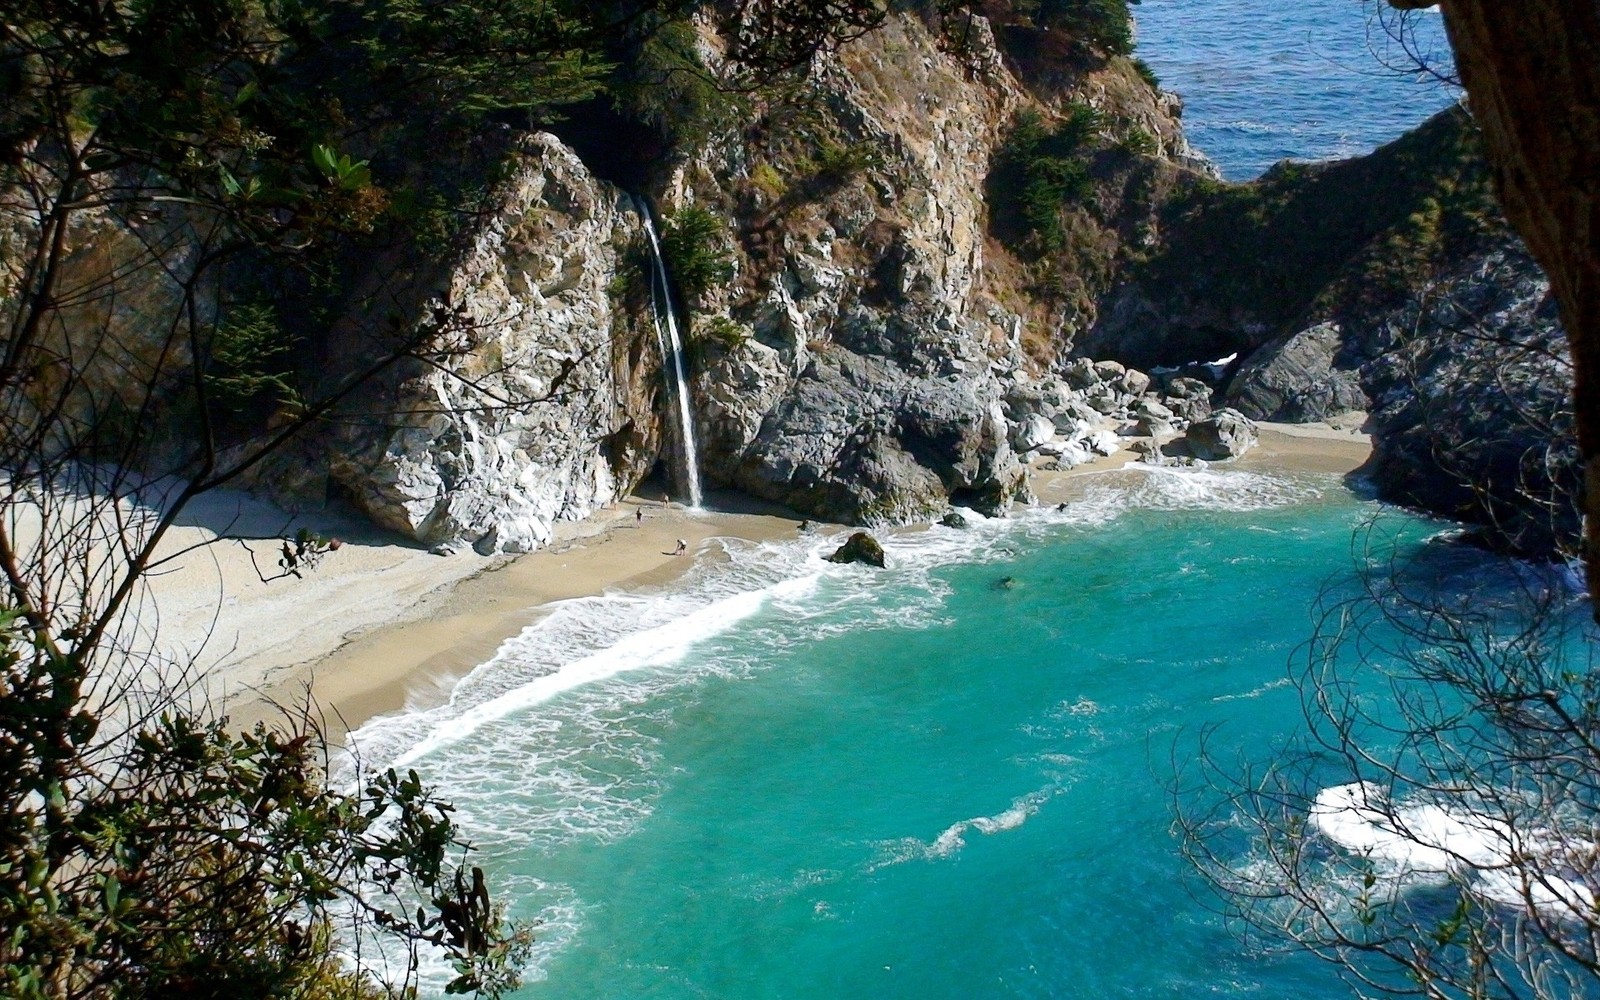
[683, 547]
[638, 515]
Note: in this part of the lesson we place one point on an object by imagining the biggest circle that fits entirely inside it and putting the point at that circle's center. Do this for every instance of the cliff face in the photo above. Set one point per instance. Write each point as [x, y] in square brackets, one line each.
[1388, 284]
[544, 404]
[1473, 414]
[890, 325]
[866, 384]
[880, 321]
[854, 368]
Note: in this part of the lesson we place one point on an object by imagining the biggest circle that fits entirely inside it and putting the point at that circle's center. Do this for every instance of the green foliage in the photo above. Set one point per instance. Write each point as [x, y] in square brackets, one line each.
[768, 181]
[1104, 26]
[664, 82]
[837, 162]
[1147, 74]
[721, 332]
[182, 860]
[694, 246]
[1323, 237]
[1039, 169]
[338, 169]
[1137, 142]
[250, 359]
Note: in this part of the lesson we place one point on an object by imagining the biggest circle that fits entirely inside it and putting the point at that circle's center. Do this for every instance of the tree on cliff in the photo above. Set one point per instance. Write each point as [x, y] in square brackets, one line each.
[203, 172]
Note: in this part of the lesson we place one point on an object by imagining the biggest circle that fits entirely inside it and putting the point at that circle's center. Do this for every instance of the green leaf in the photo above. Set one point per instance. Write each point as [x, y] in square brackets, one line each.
[324, 159]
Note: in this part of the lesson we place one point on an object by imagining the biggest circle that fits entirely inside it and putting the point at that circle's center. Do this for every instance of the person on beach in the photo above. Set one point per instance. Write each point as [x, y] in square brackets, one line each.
[638, 515]
[683, 547]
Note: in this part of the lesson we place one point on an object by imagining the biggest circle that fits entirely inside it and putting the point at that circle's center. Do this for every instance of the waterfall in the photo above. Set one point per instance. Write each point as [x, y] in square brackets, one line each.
[665, 316]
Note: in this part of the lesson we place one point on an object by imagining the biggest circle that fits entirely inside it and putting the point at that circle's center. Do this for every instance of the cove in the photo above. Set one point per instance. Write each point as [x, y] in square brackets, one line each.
[947, 779]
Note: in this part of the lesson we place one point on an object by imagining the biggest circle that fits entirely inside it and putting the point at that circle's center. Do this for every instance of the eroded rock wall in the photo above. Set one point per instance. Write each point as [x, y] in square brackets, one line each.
[544, 404]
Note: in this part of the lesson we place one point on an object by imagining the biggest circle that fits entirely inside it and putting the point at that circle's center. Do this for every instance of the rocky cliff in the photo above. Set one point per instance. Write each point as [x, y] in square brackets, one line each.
[1390, 283]
[545, 402]
[855, 366]
[911, 266]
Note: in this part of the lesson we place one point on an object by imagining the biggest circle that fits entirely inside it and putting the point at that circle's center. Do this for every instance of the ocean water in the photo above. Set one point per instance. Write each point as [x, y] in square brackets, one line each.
[1266, 80]
[781, 778]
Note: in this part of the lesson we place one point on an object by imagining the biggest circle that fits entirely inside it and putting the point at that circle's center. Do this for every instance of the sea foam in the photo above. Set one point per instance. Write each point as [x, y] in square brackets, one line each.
[555, 740]
[1490, 856]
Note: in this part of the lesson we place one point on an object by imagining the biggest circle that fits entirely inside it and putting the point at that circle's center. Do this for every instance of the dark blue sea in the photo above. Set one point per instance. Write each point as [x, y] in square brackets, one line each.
[1267, 80]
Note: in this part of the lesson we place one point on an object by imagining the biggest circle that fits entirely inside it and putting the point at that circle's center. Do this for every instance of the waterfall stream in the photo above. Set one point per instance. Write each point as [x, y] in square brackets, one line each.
[666, 323]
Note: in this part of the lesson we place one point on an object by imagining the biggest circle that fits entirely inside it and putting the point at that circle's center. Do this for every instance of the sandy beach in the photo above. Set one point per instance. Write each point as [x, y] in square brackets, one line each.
[381, 625]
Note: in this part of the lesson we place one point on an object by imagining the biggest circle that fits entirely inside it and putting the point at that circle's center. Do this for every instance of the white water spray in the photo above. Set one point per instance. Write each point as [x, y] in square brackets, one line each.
[672, 356]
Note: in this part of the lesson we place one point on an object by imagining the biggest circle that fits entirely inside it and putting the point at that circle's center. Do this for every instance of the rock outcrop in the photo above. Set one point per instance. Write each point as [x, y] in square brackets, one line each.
[1474, 417]
[859, 548]
[545, 409]
[1305, 377]
[1224, 435]
[880, 373]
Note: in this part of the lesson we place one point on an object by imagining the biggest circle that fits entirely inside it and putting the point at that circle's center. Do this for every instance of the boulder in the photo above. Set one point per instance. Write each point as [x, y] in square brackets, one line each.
[1188, 399]
[1110, 371]
[1299, 378]
[857, 438]
[1079, 373]
[860, 548]
[1074, 413]
[1134, 382]
[1151, 408]
[1225, 434]
[1153, 427]
[953, 519]
[1032, 432]
[1103, 399]
[1184, 387]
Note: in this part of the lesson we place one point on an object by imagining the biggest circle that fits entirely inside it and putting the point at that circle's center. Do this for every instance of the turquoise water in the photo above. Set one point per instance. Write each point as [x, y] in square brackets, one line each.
[784, 778]
[1266, 80]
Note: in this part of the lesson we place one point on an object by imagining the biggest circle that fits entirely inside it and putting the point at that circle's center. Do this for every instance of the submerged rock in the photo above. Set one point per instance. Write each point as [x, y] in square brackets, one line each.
[953, 520]
[860, 548]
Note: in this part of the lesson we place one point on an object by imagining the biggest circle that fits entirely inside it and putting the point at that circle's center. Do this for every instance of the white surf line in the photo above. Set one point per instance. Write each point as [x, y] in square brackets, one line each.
[657, 647]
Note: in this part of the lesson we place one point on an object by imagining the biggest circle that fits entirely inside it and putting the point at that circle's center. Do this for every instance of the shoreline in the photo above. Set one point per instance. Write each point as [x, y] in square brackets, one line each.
[413, 654]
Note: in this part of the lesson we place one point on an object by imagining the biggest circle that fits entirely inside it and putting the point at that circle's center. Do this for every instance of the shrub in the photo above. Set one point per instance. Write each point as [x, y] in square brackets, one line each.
[1137, 142]
[1105, 26]
[1040, 169]
[249, 359]
[837, 162]
[694, 247]
[1147, 74]
[768, 181]
[666, 85]
[720, 332]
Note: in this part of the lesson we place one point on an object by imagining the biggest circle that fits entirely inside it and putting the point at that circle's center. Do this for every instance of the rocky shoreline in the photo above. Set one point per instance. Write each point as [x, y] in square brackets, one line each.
[882, 344]
[406, 644]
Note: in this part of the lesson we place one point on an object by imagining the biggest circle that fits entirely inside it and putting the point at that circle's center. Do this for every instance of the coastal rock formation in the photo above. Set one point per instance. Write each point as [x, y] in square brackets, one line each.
[883, 371]
[882, 346]
[1474, 418]
[856, 438]
[540, 414]
[859, 548]
[1224, 435]
[1299, 379]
